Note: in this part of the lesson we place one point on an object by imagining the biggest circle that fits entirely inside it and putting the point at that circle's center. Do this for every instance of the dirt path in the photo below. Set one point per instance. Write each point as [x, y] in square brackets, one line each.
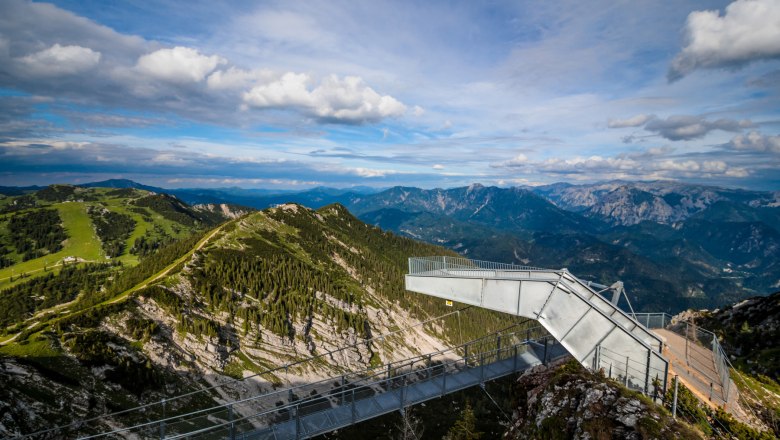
[168, 269]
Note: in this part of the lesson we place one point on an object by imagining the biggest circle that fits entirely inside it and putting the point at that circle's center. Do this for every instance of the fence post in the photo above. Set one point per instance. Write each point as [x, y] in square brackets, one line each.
[230, 419]
[297, 422]
[674, 400]
[514, 362]
[544, 361]
[403, 391]
[647, 372]
[162, 422]
[354, 414]
[482, 367]
[625, 379]
[687, 360]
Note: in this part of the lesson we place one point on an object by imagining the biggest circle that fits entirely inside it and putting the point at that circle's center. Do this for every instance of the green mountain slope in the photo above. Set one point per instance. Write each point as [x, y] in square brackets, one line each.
[62, 224]
[260, 292]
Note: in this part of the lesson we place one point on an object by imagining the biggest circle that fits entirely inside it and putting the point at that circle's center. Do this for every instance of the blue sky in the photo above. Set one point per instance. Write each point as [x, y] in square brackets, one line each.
[433, 94]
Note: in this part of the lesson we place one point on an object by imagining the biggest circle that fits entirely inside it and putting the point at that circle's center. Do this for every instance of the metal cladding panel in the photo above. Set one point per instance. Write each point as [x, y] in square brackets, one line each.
[501, 295]
[588, 331]
[563, 309]
[465, 290]
[607, 307]
[532, 297]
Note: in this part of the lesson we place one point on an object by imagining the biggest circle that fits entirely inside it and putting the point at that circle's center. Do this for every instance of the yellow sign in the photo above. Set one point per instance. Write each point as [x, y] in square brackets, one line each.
[448, 303]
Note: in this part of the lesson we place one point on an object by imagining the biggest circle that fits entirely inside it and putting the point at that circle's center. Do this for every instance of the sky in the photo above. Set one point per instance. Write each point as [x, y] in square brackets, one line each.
[293, 95]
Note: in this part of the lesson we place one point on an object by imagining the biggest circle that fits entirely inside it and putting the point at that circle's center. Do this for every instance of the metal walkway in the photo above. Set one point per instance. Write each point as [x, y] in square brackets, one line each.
[431, 383]
[584, 322]
[315, 408]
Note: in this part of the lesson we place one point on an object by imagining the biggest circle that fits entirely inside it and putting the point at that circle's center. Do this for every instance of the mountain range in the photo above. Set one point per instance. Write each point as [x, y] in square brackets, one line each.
[674, 245]
[116, 297]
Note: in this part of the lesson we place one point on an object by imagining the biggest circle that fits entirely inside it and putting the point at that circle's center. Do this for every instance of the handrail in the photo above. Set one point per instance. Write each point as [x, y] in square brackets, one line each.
[268, 371]
[430, 371]
[286, 393]
[419, 265]
[718, 353]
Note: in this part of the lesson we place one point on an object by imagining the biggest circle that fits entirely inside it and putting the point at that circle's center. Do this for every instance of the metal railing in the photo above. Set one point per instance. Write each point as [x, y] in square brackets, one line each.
[270, 407]
[636, 374]
[443, 266]
[355, 389]
[696, 335]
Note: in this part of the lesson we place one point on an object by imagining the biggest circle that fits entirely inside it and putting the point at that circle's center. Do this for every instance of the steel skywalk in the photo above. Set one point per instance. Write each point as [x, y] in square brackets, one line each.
[315, 408]
[574, 313]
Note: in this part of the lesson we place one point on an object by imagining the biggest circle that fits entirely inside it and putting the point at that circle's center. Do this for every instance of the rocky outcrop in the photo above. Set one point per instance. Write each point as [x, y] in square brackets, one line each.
[567, 401]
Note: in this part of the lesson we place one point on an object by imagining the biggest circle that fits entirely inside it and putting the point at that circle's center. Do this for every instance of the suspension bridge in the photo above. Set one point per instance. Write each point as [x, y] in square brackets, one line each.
[574, 320]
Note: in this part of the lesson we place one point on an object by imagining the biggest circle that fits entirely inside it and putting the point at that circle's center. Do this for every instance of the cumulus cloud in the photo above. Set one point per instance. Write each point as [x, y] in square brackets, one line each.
[636, 121]
[179, 64]
[336, 99]
[679, 127]
[755, 141]
[519, 160]
[59, 60]
[748, 31]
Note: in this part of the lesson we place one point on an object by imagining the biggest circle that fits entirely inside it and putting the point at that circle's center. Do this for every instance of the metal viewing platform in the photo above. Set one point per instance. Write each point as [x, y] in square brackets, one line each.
[575, 314]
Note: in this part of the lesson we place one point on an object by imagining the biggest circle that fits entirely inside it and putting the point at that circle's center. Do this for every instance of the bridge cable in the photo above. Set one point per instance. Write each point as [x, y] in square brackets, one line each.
[495, 403]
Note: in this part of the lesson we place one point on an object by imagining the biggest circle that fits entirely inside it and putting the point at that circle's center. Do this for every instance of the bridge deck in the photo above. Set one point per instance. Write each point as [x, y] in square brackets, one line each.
[354, 411]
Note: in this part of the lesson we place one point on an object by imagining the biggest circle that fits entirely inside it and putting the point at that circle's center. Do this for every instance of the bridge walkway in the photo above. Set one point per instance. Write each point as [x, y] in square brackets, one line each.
[353, 409]
[314, 408]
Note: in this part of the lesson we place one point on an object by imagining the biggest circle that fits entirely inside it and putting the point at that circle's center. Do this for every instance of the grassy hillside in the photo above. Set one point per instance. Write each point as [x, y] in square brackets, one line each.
[260, 292]
[99, 224]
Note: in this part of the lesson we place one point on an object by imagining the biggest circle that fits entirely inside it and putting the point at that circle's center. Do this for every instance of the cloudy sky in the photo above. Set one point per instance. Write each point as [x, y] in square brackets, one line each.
[433, 94]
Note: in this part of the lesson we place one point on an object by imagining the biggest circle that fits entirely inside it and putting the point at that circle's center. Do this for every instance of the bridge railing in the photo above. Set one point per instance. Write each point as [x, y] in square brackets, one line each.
[270, 405]
[696, 335]
[351, 390]
[443, 266]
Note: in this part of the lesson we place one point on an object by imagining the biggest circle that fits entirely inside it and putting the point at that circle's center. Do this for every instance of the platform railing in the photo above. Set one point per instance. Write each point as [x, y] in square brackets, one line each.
[353, 390]
[696, 335]
[442, 265]
[269, 404]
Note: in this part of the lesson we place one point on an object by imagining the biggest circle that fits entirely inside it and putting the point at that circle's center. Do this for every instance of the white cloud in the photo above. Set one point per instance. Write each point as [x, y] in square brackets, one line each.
[289, 90]
[755, 141]
[370, 172]
[519, 160]
[60, 60]
[438, 166]
[179, 64]
[636, 121]
[343, 100]
[748, 31]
